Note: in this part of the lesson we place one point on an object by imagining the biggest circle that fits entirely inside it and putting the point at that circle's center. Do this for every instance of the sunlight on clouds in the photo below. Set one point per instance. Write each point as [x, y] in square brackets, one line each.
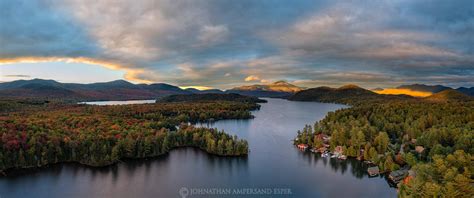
[130, 73]
[404, 91]
[252, 78]
[196, 87]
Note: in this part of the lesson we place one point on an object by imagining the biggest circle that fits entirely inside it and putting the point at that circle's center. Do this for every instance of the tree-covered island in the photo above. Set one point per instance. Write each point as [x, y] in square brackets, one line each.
[38, 133]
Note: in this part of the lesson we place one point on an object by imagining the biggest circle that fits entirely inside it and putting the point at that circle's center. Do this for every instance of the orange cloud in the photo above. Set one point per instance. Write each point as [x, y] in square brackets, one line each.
[196, 87]
[404, 91]
[252, 78]
[130, 74]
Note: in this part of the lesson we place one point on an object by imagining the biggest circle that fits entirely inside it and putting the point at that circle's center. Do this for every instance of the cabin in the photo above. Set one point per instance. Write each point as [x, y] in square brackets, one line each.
[398, 175]
[322, 149]
[419, 149]
[323, 137]
[302, 146]
[373, 171]
[338, 150]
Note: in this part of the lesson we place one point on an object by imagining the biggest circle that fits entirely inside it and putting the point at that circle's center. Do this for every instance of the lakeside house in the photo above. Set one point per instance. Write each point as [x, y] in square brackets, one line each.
[373, 171]
[398, 175]
[302, 146]
[419, 149]
[338, 150]
[323, 137]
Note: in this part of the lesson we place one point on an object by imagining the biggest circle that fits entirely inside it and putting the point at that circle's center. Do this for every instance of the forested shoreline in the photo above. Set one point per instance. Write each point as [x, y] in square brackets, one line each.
[38, 134]
[433, 139]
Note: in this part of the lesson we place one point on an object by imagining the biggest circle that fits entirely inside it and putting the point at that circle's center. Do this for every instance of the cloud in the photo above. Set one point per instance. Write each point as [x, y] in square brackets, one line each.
[217, 44]
[213, 34]
[252, 78]
[17, 76]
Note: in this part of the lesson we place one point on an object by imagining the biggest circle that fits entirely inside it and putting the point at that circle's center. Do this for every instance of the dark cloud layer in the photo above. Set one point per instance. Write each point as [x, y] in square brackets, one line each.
[221, 43]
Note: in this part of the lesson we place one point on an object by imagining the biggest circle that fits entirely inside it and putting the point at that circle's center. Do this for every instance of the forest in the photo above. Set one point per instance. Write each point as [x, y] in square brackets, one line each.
[435, 139]
[35, 134]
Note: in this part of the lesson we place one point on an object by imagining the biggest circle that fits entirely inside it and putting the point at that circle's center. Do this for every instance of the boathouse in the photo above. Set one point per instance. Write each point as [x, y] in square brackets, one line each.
[373, 171]
[302, 146]
[398, 175]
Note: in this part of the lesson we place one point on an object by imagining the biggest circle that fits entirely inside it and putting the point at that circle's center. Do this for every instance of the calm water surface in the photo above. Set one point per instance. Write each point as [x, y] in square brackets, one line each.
[125, 102]
[272, 163]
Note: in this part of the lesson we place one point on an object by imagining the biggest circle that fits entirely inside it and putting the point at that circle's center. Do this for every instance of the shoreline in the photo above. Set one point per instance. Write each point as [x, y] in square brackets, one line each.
[17, 171]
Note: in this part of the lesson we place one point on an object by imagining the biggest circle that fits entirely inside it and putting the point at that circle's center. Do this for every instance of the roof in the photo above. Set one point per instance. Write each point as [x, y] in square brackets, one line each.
[419, 149]
[398, 173]
[373, 169]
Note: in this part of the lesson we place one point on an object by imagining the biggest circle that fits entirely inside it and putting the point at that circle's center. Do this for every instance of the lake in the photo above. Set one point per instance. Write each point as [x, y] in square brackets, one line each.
[274, 167]
[125, 102]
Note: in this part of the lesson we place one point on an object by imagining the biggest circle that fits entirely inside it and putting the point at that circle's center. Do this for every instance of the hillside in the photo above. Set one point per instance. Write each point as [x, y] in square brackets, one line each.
[348, 94]
[467, 91]
[436, 88]
[424, 88]
[448, 95]
[197, 91]
[279, 89]
[210, 97]
[114, 90]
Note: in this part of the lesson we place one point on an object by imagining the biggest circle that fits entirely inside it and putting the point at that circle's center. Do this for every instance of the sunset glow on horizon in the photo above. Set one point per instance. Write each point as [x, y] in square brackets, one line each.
[409, 92]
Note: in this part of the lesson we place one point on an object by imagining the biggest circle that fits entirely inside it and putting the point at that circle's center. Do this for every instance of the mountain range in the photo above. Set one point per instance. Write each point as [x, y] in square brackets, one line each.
[123, 90]
[278, 89]
[352, 94]
[113, 90]
[436, 88]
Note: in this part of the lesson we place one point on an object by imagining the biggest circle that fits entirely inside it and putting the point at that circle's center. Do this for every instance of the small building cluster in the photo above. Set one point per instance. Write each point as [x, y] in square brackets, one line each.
[302, 147]
[403, 175]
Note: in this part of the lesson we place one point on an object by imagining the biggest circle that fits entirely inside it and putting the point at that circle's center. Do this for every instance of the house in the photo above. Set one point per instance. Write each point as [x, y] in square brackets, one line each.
[419, 149]
[373, 171]
[322, 149]
[398, 175]
[302, 146]
[338, 150]
[323, 137]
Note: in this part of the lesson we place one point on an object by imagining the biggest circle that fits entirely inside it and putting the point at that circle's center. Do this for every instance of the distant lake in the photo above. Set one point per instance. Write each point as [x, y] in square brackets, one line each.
[273, 164]
[118, 102]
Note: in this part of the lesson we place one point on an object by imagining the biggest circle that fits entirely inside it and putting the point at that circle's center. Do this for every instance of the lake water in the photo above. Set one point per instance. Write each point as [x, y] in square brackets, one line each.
[125, 102]
[273, 166]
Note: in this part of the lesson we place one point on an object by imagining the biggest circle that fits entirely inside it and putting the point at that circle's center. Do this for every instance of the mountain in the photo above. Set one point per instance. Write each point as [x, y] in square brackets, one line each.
[279, 89]
[448, 95]
[197, 91]
[114, 90]
[210, 97]
[424, 88]
[467, 91]
[347, 94]
[436, 88]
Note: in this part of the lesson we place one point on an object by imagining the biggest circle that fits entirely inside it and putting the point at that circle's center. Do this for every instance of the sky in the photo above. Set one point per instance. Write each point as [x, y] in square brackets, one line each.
[223, 44]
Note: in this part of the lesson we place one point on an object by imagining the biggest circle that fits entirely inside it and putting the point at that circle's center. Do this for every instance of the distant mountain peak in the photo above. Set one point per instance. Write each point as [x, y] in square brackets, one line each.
[119, 82]
[424, 88]
[278, 86]
[350, 86]
[281, 82]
